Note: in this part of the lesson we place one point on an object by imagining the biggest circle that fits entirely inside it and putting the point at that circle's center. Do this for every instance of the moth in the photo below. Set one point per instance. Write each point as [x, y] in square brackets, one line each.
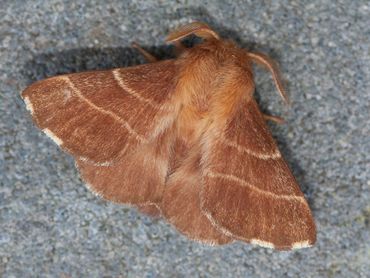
[183, 139]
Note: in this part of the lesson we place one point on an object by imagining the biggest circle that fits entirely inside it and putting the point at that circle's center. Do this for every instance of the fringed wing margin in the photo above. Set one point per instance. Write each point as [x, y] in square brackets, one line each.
[248, 191]
[99, 116]
[181, 198]
[136, 179]
[116, 123]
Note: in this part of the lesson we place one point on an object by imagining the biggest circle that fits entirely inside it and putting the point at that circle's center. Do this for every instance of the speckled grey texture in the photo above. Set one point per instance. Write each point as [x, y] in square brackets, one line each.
[52, 226]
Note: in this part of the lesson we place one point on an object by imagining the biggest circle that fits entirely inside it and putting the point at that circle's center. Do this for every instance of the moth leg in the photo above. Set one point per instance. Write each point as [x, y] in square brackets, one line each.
[276, 119]
[149, 57]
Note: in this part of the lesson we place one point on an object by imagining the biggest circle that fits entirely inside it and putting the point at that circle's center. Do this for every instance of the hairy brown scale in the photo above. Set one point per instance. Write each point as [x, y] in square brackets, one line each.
[181, 139]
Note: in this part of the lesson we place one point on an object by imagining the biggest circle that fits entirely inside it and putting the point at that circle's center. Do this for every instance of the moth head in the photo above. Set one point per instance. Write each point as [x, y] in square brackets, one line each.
[227, 53]
[199, 29]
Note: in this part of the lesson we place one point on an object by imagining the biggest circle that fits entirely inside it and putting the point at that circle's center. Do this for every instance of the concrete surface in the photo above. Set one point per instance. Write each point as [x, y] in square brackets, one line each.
[51, 226]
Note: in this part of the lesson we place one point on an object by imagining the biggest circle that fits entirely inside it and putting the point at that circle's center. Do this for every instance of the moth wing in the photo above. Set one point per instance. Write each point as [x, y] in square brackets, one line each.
[99, 116]
[248, 190]
[138, 178]
[181, 201]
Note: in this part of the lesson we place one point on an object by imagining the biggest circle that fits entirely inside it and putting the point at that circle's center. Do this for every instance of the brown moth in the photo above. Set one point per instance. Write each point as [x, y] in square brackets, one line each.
[181, 138]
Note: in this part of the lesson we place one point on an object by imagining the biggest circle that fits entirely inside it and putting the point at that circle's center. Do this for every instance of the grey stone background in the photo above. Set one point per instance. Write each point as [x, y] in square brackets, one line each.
[51, 226]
